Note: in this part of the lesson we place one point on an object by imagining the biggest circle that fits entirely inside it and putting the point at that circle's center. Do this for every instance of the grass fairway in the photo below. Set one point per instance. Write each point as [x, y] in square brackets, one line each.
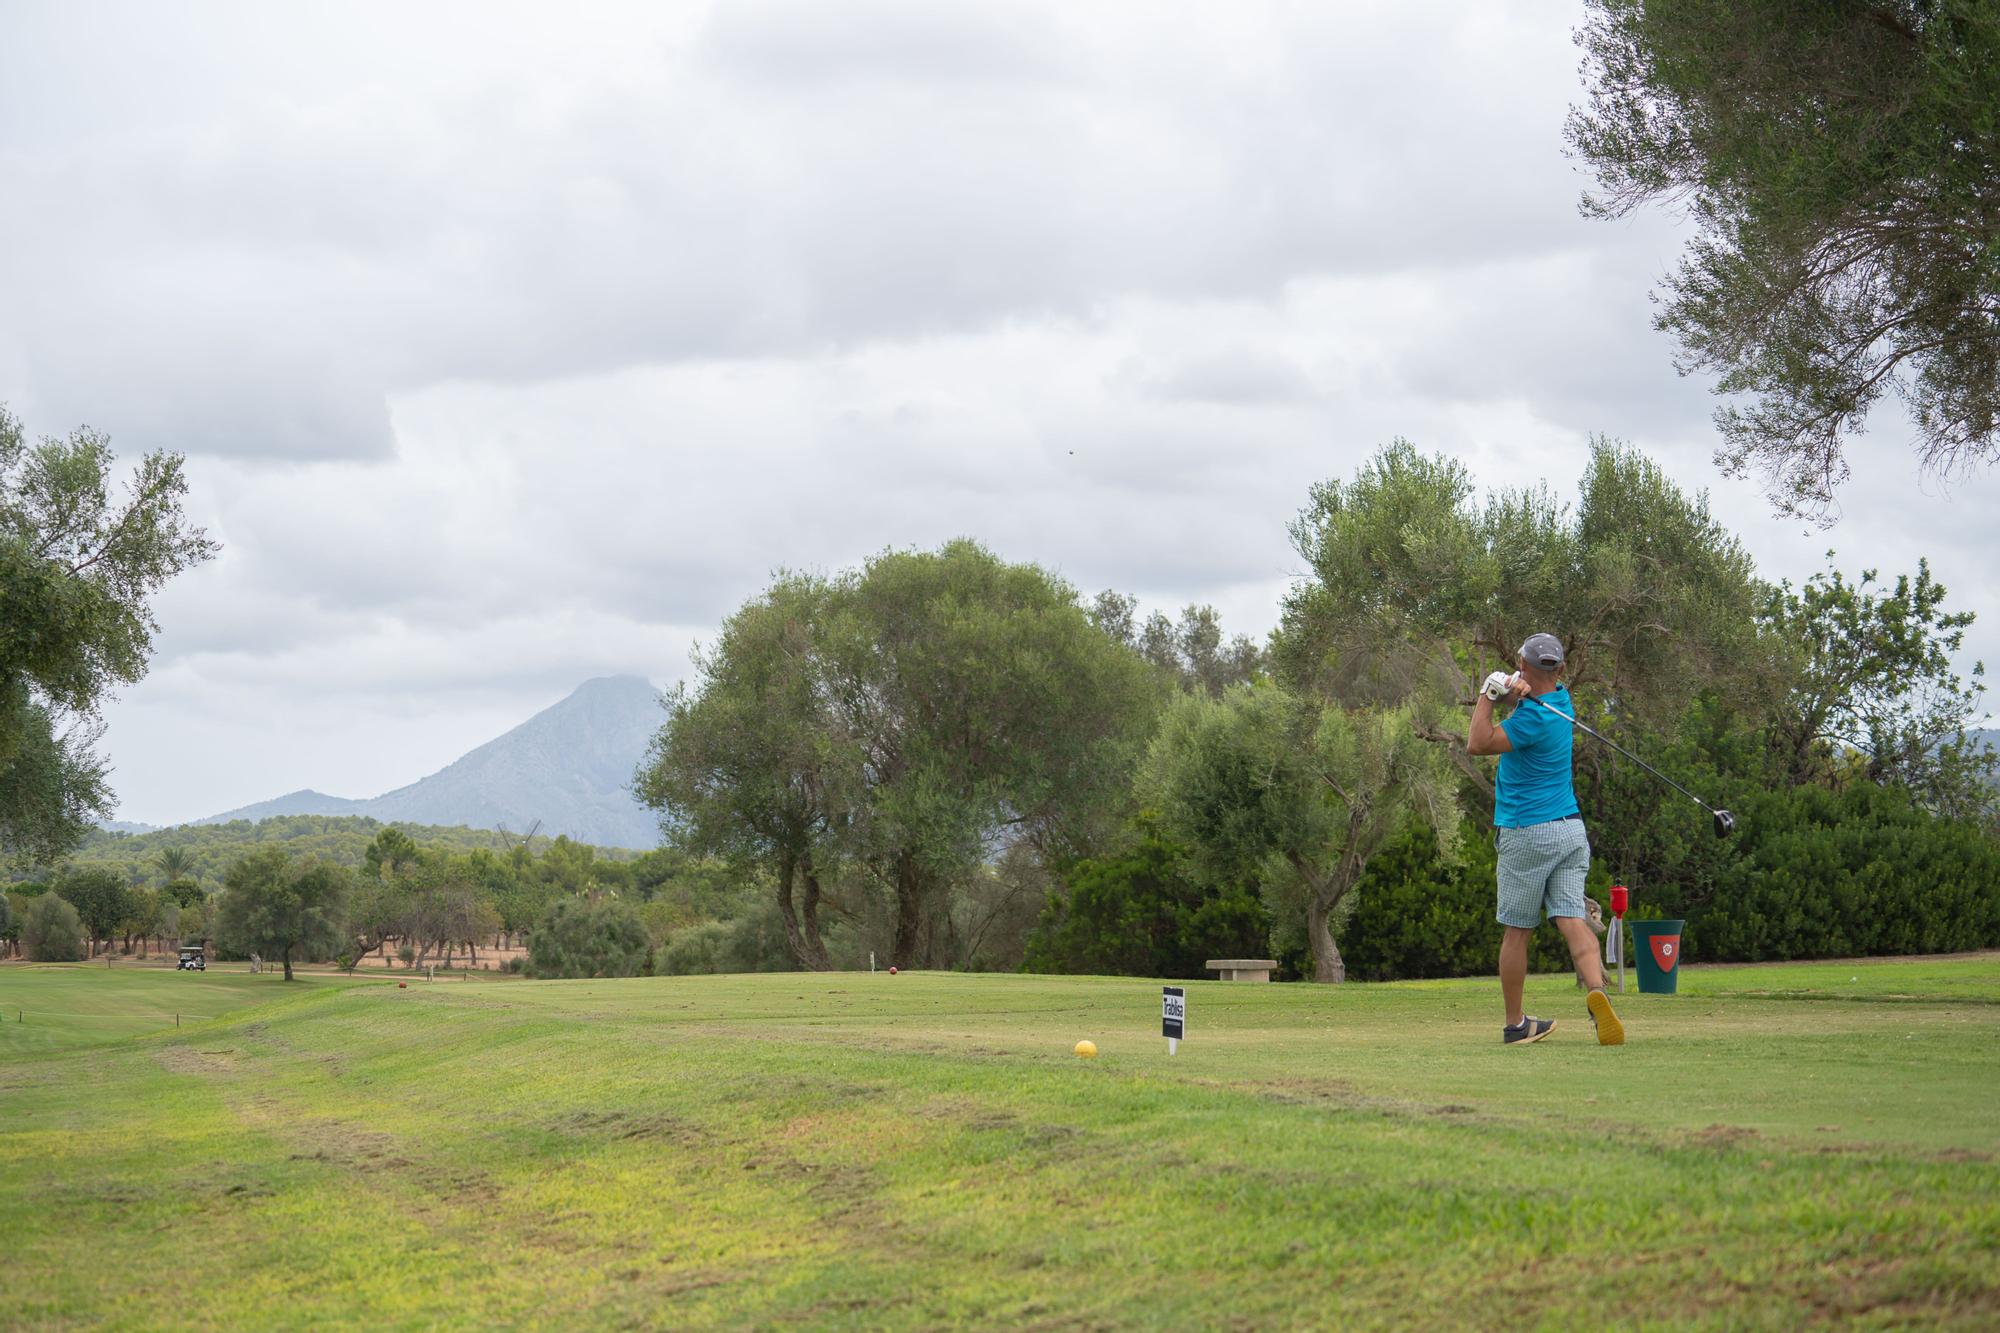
[1774, 1146]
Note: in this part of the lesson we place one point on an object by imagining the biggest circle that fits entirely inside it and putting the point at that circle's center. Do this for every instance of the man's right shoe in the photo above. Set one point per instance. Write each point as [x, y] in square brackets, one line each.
[1529, 1029]
[1610, 1032]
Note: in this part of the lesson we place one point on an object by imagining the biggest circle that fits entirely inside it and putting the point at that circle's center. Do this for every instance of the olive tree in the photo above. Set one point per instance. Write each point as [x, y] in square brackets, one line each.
[986, 708]
[752, 764]
[913, 719]
[1873, 682]
[51, 931]
[100, 897]
[1841, 163]
[1302, 791]
[273, 904]
[1415, 582]
[78, 570]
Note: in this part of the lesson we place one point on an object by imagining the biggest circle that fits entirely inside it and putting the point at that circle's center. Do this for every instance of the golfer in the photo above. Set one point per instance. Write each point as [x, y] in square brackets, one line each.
[1544, 854]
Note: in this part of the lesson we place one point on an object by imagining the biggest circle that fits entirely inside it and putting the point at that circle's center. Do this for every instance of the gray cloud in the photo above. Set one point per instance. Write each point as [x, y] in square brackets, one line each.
[883, 41]
[517, 345]
[1236, 376]
[784, 177]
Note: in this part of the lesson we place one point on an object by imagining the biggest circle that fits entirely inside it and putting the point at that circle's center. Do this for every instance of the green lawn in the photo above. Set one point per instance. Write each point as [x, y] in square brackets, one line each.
[1775, 1146]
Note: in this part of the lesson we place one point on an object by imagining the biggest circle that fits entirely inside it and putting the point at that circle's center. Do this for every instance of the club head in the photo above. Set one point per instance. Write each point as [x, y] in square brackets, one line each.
[1725, 823]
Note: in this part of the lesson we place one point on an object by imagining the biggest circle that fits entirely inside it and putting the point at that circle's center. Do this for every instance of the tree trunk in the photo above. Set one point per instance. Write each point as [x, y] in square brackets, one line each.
[288, 962]
[909, 911]
[815, 955]
[1323, 894]
[794, 938]
[1327, 964]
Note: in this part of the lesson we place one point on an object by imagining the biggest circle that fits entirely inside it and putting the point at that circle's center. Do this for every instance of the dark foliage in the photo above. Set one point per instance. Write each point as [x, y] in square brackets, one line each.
[579, 938]
[1141, 914]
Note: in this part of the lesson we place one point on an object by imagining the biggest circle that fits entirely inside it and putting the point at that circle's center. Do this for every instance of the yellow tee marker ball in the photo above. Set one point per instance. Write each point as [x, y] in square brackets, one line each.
[1087, 1049]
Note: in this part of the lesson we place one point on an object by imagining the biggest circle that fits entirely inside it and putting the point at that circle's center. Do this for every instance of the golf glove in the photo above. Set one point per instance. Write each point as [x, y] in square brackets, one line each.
[1497, 685]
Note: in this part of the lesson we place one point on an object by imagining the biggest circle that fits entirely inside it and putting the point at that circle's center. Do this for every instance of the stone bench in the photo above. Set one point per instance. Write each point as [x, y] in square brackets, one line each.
[1242, 969]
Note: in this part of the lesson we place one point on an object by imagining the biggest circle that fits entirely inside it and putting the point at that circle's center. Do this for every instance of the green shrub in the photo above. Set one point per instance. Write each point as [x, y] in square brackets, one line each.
[1141, 914]
[1824, 874]
[52, 932]
[752, 942]
[696, 950]
[578, 938]
[1810, 873]
[1415, 916]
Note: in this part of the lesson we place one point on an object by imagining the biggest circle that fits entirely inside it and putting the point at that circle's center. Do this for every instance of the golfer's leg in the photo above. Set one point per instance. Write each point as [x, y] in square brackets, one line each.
[1565, 904]
[1521, 877]
[1583, 949]
[1514, 970]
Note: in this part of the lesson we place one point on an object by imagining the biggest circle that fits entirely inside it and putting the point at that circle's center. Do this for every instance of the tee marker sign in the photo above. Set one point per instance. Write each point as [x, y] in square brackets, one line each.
[1173, 1016]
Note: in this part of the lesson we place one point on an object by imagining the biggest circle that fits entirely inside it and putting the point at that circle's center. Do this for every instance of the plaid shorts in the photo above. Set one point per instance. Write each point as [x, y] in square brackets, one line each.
[1542, 867]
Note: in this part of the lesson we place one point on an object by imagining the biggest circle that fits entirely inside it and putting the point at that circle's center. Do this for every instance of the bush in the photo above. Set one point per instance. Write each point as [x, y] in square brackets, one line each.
[752, 942]
[1810, 873]
[697, 950]
[1143, 915]
[577, 938]
[1416, 916]
[52, 932]
[1824, 874]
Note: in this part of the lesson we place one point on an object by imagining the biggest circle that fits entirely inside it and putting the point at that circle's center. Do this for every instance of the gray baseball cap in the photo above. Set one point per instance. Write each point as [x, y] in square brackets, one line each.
[1544, 651]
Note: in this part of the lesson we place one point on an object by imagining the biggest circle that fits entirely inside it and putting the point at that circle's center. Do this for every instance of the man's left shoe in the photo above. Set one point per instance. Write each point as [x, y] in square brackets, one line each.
[1610, 1032]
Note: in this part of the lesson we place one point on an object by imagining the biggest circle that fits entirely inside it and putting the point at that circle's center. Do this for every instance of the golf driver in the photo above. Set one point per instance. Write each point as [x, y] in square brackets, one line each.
[1725, 823]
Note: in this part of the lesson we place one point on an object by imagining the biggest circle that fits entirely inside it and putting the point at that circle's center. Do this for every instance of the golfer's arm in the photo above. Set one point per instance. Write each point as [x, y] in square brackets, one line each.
[1485, 737]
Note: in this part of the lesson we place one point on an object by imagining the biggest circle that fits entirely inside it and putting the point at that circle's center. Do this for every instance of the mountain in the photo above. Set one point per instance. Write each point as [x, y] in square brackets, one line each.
[306, 802]
[568, 768]
[124, 826]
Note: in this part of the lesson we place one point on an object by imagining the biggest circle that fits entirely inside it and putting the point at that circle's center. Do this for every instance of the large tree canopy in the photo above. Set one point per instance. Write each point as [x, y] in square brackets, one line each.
[77, 572]
[753, 764]
[272, 904]
[1416, 586]
[1300, 793]
[1873, 685]
[1842, 164]
[912, 719]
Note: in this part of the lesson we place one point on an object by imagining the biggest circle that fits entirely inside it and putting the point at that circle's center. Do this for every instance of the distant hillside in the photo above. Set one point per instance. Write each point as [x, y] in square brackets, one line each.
[568, 768]
[211, 847]
[307, 802]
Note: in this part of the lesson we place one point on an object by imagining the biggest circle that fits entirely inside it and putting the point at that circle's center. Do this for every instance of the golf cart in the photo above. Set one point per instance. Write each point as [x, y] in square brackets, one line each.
[192, 959]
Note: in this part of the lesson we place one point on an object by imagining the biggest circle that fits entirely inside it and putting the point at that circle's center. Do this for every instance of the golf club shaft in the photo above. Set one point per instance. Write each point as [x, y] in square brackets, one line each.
[1605, 740]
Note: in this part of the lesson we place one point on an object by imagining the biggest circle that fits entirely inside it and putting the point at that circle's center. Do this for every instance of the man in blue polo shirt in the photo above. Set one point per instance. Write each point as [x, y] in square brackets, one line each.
[1544, 855]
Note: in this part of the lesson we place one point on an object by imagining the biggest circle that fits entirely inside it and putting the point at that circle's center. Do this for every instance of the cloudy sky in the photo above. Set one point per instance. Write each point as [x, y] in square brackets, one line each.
[515, 345]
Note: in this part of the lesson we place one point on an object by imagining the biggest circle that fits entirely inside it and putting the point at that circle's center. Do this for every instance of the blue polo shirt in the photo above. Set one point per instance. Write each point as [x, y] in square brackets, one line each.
[1535, 783]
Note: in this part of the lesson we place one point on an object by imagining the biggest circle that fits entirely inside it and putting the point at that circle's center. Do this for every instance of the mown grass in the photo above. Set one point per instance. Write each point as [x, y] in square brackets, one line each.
[53, 1007]
[1775, 1146]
